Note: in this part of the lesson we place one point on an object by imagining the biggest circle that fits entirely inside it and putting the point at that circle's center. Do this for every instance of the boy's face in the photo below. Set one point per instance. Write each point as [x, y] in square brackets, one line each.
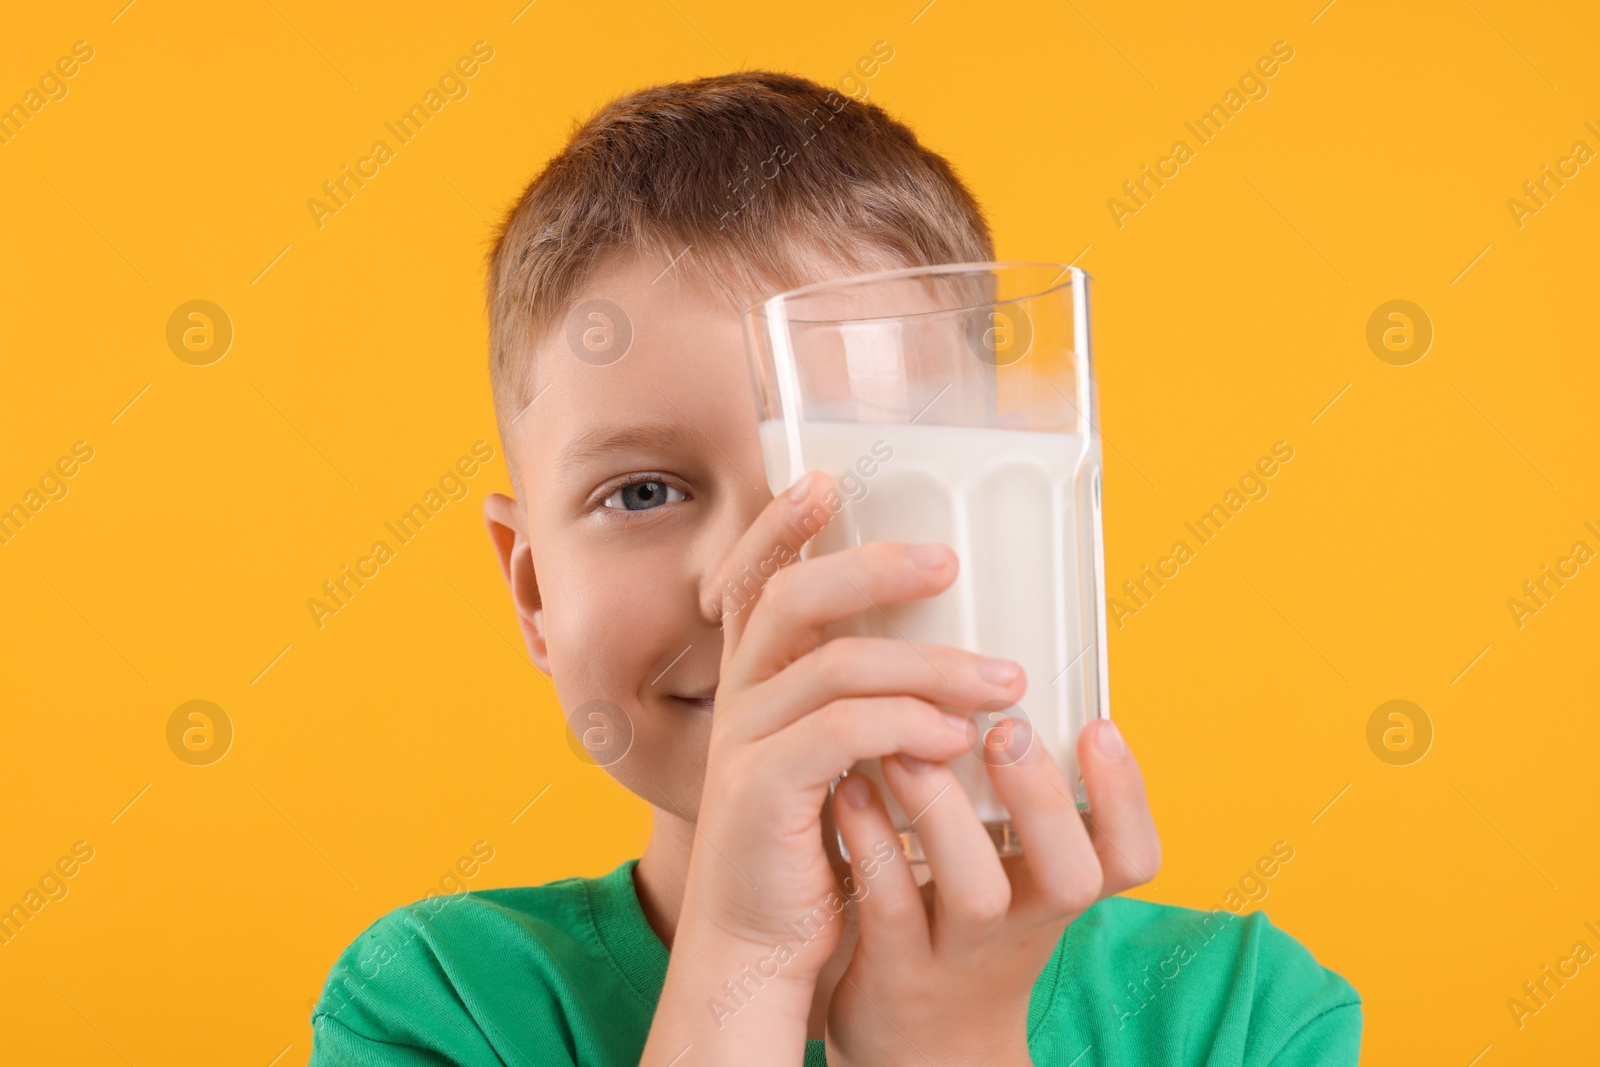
[638, 473]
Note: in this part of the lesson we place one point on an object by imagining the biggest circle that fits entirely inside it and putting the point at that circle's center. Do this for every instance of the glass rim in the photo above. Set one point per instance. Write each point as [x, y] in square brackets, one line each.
[764, 309]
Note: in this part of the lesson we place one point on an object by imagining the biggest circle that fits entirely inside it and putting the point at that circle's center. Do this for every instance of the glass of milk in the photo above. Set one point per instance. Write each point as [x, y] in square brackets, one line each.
[956, 404]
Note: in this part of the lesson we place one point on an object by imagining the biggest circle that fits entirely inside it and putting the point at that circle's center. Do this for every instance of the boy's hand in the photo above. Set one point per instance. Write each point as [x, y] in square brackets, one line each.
[793, 712]
[944, 973]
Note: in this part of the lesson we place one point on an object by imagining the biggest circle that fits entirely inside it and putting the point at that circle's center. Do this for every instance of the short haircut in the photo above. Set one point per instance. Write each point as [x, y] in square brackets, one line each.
[756, 172]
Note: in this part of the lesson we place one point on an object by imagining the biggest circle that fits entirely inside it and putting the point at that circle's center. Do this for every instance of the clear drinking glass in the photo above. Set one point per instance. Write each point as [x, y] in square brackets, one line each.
[956, 404]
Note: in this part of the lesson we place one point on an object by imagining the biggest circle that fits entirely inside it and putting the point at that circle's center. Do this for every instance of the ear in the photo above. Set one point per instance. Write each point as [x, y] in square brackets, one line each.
[508, 532]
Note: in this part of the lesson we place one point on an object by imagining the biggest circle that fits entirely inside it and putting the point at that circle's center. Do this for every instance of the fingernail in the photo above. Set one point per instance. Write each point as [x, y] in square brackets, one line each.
[1112, 746]
[961, 723]
[929, 556]
[998, 671]
[798, 491]
[912, 763]
[855, 791]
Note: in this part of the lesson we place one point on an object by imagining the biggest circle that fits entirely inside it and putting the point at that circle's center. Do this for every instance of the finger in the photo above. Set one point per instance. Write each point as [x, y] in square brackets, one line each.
[1119, 819]
[889, 903]
[823, 745]
[770, 543]
[1059, 874]
[972, 894]
[799, 601]
[878, 666]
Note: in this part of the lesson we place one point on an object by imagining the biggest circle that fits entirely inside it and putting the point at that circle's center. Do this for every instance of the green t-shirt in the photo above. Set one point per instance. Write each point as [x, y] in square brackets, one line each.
[570, 972]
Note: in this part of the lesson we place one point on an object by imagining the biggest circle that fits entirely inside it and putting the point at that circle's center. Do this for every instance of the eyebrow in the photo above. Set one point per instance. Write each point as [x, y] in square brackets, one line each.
[598, 444]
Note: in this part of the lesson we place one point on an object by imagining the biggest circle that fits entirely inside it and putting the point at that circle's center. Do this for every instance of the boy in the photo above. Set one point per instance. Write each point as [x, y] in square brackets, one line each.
[628, 419]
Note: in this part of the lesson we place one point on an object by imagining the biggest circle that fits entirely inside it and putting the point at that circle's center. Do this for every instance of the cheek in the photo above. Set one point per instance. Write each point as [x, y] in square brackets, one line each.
[615, 615]
[600, 617]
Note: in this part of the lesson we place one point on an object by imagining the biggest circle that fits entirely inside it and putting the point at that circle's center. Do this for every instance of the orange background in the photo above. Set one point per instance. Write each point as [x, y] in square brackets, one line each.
[1231, 312]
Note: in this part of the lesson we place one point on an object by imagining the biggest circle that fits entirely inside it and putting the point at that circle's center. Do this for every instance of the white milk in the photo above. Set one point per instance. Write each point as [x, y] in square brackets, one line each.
[1006, 502]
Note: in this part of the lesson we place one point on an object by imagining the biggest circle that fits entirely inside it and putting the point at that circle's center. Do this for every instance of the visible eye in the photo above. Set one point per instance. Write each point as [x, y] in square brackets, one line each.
[643, 495]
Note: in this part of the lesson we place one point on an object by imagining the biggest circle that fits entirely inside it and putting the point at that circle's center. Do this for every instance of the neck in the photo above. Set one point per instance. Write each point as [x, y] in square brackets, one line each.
[662, 871]
[659, 880]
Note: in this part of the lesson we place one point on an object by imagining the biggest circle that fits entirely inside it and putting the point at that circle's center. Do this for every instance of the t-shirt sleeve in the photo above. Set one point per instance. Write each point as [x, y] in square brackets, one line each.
[335, 1045]
[1332, 1039]
[1304, 1015]
[390, 1001]
[1143, 983]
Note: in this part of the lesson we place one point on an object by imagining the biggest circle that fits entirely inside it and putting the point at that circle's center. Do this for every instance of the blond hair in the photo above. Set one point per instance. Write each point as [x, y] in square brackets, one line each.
[756, 172]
